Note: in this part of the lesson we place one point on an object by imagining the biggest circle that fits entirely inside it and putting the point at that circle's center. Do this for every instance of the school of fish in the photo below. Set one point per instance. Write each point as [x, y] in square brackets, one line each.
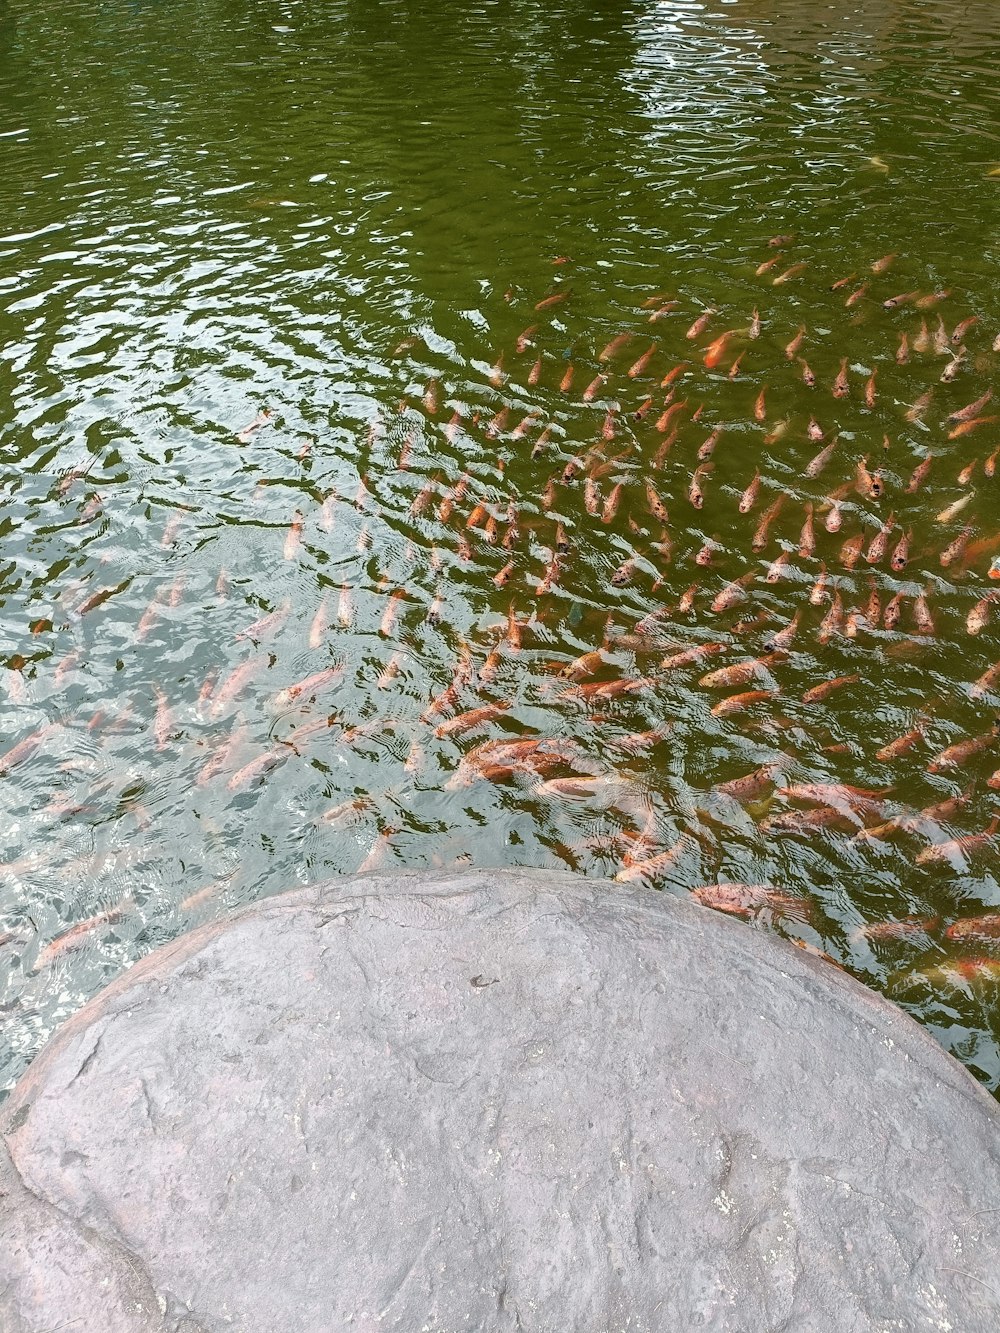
[801, 469]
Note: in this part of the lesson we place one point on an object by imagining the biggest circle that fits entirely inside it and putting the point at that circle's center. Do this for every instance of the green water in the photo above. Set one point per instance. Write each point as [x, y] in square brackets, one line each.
[211, 210]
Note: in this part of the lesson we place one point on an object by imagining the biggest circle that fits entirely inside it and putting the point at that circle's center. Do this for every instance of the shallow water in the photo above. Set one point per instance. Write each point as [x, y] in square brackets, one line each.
[343, 216]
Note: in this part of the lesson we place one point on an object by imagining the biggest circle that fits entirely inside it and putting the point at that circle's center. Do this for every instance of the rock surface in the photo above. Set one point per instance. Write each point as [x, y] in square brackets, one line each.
[495, 1101]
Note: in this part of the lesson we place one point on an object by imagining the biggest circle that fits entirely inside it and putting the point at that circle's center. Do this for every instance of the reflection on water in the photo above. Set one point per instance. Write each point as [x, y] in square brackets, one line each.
[354, 445]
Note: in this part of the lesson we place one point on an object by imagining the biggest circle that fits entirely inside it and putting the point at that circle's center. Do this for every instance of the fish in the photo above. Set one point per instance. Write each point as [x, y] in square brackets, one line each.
[623, 574]
[792, 348]
[962, 329]
[778, 432]
[816, 466]
[732, 593]
[695, 493]
[907, 928]
[611, 503]
[903, 351]
[391, 611]
[782, 639]
[715, 352]
[266, 625]
[841, 385]
[919, 474]
[871, 394]
[956, 850]
[833, 619]
[524, 339]
[422, 499]
[879, 544]
[736, 703]
[805, 821]
[975, 928]
[502, 578]
[979, 617]
[740, 673]
[971, 409]
[754, 330]
[956, 549]
[535, 373]
[674, 374]
[918, 409]
[777, 568]
[901, 745]
[807, 538]
[547, 302]
[962, 751]
[550, 575]
[749, 497]
[639, 366]
[262, 419]
[827, 687]
[498, 423]
[475, 717]
[616, 345]
[967, 473]
[850, 552]
[903, 298]
[234, 684]
[760, 537]
[767, 265]
[652, 867]
[881, 265]
[967, 427]
[951, 370]
[309, 686]
[687, 656]
[986, 682]
[892, 611]
[808, 378]
[77, 935]
[923, 620]
[901, 553]
[752, 786]
[256, 768]
[923, 342]
[760, 406]
[24, 749]
[706, 449]
[748, 899]
[868, 483]
[656, 506]
[789, 274]
[958, 972]
[700, 324]
[101, 596]
[293, 540]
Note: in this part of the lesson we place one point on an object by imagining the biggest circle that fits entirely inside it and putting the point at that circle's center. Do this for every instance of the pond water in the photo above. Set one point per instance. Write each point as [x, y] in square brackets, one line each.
[356, 361]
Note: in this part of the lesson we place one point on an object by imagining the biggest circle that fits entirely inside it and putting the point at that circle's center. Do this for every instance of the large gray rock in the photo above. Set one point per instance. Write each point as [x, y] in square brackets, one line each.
[495, 1101]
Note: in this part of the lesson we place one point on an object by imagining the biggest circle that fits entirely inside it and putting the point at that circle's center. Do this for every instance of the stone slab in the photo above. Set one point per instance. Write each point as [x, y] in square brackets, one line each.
[495, 1101]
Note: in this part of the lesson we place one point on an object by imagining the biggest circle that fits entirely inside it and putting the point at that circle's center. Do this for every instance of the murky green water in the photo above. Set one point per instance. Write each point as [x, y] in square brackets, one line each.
[344, 216]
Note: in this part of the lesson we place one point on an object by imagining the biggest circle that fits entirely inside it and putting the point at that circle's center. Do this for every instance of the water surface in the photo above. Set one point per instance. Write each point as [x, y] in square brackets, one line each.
[344, 216]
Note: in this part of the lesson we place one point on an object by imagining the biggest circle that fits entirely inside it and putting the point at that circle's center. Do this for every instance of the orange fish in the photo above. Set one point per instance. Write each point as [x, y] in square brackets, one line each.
[760, 406]
[594, 388]
[789, 274]
[700, 324]
[524, 339]
[547, 302]
[816, 466]
[748, 899]
[967, 427]
[760, 537]
[736, 703]
[792, 350]
[958, 850]
[962, 329]
[807, 538]
[808, 378]
[749, 498]
[827, 687]
[903, 351]
[717, 350]
[695, 493]
[639, 366]
[615, 346]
